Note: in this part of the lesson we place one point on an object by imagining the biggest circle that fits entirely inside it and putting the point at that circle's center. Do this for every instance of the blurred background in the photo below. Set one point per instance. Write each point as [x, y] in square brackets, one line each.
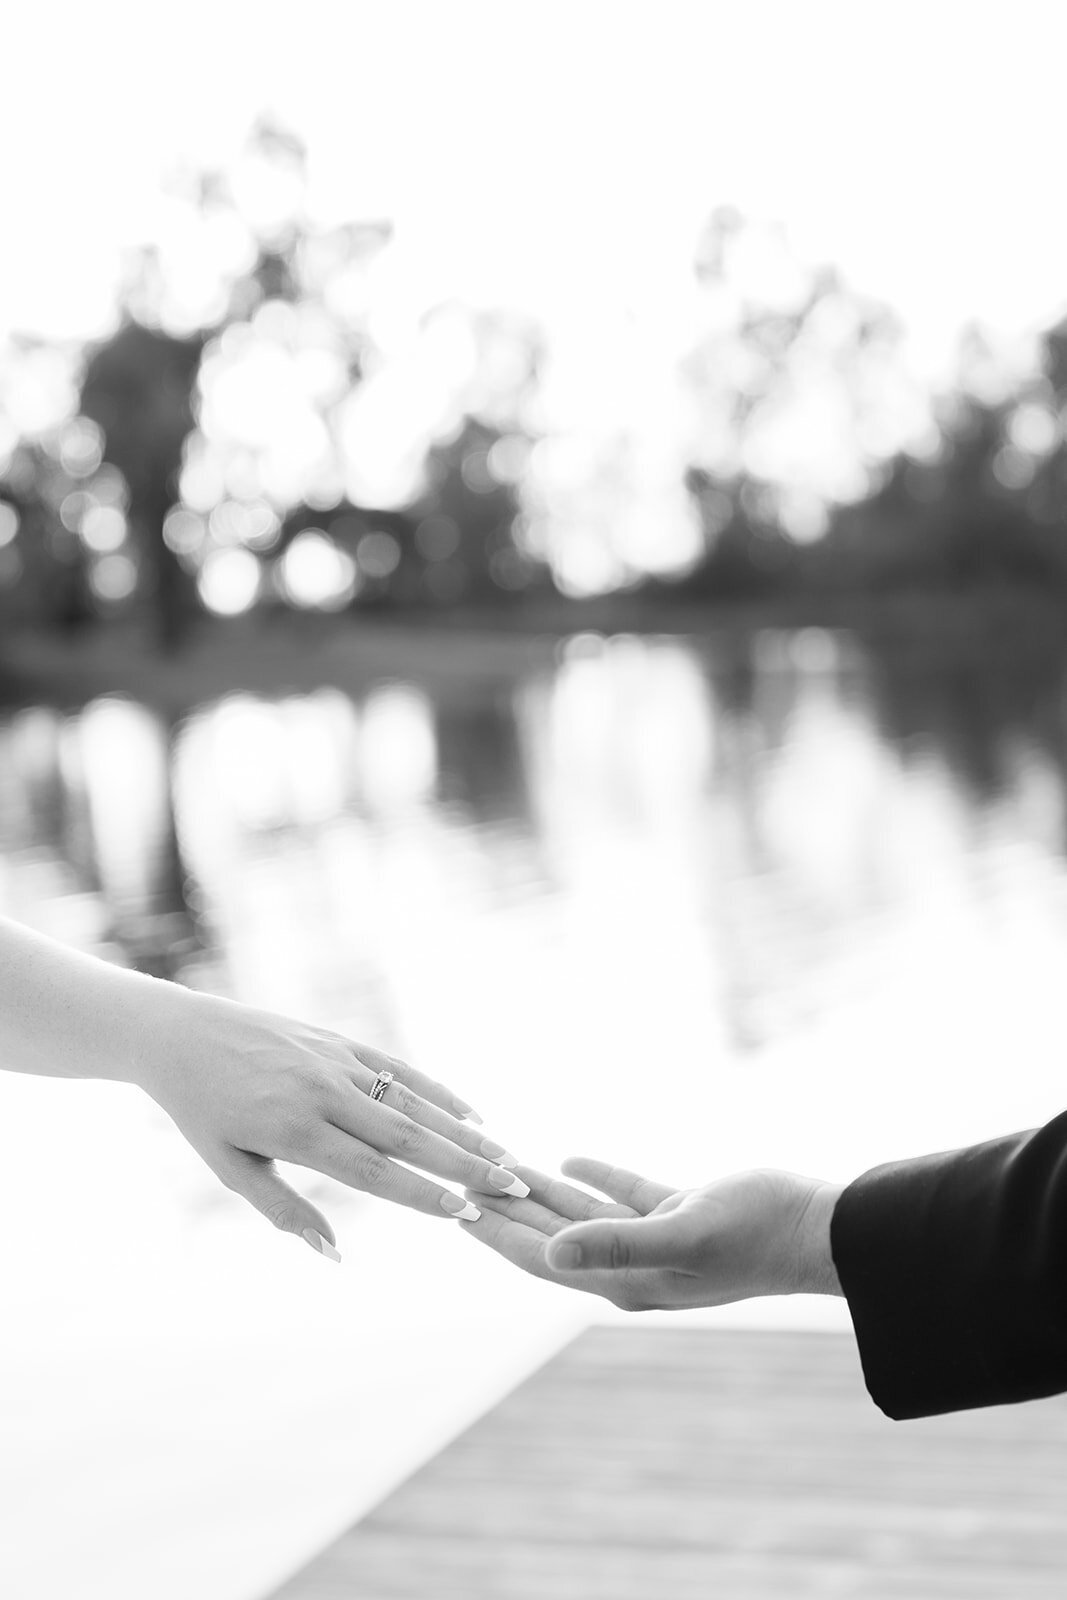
[536, 536]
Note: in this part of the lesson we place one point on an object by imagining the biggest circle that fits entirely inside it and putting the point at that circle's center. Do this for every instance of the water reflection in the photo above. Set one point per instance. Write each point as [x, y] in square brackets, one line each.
[753, 813]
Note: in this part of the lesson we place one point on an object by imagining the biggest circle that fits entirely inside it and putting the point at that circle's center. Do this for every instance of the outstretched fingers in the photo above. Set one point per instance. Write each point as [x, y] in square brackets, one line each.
[396, 1135]
[360, 1166]
[561, 1198]
[525, 1247]
[621, 1244]
[532, 1214]
[399, 1096]
[625, 1187]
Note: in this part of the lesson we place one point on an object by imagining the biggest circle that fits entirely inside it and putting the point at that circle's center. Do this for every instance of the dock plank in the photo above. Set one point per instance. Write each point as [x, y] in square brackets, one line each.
[663, 1464]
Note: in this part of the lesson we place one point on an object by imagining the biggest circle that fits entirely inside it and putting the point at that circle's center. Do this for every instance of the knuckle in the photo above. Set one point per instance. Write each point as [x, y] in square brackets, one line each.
[407, 1102]
[340, 1042]
[280, 1213]
[318, 1082]
[409, 1138]
[620, 1252]
[371, 1171]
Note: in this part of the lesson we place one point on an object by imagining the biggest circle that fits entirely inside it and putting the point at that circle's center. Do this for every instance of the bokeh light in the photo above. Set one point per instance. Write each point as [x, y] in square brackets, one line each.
[113, 578]
[229, 581]
[316, 574]
[103, 528]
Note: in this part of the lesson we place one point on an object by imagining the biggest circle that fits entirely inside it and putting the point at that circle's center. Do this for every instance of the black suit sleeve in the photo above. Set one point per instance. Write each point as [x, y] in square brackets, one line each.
[955, 1271]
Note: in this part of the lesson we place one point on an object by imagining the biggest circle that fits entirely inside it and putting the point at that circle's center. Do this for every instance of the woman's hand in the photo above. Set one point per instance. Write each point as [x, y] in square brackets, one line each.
[246, 1087]
[651, 1247]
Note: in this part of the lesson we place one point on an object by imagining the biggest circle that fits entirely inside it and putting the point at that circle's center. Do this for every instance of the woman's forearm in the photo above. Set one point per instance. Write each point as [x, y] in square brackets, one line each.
[64, 1014]
[247, 1087]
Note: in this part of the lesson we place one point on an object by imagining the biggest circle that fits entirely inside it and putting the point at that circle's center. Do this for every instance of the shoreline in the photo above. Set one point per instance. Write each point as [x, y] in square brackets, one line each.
[291, 652]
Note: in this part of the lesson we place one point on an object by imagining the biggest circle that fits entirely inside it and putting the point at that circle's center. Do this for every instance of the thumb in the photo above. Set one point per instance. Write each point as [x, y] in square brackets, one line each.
[257, 1179]
[665, 1240]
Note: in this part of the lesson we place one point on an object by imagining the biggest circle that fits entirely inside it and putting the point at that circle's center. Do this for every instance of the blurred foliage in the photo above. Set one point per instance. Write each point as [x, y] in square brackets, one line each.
[215, 456]
[973, 500]
[985, 509]
[254, 434]
[138, 389]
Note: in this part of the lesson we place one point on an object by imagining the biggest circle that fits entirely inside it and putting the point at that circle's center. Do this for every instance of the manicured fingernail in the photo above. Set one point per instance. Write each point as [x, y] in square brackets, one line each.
[462, 1210]
[462, 1109]
[565, 1257]
[508, 1183]
[323, 1246]
[497, 1153]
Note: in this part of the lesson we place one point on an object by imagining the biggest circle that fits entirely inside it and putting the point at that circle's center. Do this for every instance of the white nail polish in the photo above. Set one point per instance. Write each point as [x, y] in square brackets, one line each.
[516, 1187]
[323, 1246]
[468, 1214]
[497, 1154]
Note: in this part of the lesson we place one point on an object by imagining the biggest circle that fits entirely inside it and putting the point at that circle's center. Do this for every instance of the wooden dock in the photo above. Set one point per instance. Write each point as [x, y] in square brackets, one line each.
[661, 1464]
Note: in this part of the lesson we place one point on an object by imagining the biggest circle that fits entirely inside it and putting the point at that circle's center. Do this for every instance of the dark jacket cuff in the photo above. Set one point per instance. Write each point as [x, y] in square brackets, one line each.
[955, 1270]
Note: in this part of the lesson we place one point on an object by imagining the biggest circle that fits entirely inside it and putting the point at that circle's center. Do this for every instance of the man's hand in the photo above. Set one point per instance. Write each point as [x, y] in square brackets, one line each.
[650, 1247]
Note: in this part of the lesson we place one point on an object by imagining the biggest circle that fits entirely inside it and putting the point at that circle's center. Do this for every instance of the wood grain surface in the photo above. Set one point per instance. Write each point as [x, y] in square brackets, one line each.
[661, 1464]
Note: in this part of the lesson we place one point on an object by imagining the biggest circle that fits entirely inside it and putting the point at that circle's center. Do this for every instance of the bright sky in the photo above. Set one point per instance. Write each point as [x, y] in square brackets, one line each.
[525, 149]
[561, 158]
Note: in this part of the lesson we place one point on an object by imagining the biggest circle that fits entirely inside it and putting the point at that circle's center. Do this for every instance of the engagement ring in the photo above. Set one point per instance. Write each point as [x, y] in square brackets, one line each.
[381, 1083]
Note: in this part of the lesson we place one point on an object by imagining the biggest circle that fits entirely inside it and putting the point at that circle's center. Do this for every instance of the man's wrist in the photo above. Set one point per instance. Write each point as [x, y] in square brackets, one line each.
[818, 1274]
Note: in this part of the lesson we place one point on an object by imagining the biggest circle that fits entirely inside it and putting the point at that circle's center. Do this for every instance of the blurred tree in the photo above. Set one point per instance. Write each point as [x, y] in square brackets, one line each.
[802, 396]
[138, 388]
[466, 536]
[42, 573]
[451, 471]
[983, 508]
[43, 577]
[224, 333]
[253, 432]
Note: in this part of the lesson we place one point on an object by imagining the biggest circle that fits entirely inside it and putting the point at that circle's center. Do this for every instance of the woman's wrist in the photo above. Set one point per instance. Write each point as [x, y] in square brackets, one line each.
[67, 1014]
[151, 1015]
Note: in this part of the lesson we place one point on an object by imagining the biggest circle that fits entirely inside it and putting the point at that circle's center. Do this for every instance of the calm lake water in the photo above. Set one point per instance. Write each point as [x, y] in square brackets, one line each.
[694, 906]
